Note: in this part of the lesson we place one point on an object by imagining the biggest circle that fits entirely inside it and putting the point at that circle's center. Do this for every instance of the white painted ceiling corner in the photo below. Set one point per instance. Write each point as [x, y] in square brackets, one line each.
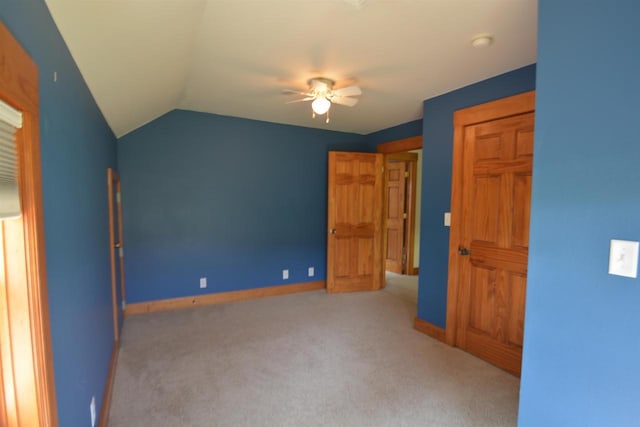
[142, 58]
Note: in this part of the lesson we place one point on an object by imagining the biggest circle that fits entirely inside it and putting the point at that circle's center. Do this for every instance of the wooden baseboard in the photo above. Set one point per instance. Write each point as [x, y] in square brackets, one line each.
[429, 329]
[221, 297]
[108, 388]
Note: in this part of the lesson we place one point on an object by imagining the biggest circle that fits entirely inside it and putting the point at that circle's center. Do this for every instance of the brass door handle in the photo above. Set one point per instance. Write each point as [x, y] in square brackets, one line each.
[332, 231]
[117, 245]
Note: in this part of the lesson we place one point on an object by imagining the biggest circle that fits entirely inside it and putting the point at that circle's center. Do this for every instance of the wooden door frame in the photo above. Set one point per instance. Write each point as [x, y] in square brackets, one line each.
[410, 200]
[501, 108]
[113, 182]
[28, 396]
[394, 148]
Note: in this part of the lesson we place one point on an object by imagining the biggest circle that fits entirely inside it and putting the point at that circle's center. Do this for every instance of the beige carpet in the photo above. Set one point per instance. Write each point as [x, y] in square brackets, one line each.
[402, 286]
[308, 359]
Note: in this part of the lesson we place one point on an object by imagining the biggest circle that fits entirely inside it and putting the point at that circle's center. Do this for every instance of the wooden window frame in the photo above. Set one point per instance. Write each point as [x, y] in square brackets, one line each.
[27, 387]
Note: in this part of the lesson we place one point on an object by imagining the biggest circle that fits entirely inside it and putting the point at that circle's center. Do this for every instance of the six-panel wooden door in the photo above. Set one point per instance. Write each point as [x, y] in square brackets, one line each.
[492, 234]
[395, 215]
[354, 243]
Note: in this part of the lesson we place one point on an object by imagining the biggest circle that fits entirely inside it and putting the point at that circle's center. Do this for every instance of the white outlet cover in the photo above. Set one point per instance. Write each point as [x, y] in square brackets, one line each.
[203, 282]
[623, 258]
[311, 272]
[285, 274]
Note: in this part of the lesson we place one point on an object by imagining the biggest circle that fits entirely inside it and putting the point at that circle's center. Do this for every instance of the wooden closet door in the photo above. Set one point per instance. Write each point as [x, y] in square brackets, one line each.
[492, 233]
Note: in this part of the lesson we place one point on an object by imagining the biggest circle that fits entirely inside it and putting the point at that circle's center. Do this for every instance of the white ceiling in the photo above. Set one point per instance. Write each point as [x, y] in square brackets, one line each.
[143, 58]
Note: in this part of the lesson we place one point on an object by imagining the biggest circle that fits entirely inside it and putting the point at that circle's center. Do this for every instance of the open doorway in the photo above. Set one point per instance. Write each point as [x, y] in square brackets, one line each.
[402, 204]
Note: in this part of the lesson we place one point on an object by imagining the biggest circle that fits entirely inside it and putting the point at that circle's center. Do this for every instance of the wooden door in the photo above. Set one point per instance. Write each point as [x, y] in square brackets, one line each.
[116, 251]
[490, 249]
[354, 244]
[395, 215]
[399, 211]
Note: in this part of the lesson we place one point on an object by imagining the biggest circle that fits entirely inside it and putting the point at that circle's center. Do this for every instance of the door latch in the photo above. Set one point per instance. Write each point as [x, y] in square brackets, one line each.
[464, 251]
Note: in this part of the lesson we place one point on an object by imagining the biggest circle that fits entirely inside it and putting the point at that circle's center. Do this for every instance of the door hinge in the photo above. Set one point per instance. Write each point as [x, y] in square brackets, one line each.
[406, 174]
[404, 256]
[382, 169]
[121, 252]
[118, 197]
[404, 215]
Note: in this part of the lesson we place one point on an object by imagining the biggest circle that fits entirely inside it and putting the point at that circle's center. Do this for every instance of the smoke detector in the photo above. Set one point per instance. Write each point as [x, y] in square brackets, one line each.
[480, 41]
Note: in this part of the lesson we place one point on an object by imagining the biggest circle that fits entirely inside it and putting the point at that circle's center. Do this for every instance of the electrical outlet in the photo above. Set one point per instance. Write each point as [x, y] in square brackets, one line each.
[311, 272]
[92, 409]
[203, 282]
[285, 274]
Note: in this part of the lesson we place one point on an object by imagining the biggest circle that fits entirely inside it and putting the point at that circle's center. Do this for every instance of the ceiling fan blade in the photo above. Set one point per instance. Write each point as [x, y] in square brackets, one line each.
[294, 92]
[308, 98]
[343, 100]
[348, 91]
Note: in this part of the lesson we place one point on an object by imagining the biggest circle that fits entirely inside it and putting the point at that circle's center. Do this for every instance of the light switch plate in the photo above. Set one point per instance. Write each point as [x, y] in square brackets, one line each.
[92, 410]
[285, 274]
[311, 272]
[623, 258]
[447, 219]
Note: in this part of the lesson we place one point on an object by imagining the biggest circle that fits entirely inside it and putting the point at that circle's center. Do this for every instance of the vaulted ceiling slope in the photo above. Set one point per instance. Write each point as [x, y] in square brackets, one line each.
[143, 58]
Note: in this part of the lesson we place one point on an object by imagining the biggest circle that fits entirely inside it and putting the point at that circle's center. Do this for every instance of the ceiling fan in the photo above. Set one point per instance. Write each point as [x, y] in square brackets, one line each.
[322, 94]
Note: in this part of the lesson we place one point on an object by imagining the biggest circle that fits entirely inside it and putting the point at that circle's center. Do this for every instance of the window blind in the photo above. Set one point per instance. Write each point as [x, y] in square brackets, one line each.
[10, 122]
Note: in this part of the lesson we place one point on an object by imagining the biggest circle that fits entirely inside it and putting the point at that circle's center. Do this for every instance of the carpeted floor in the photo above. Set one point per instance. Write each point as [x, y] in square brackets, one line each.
[308, 359]
[402, 286]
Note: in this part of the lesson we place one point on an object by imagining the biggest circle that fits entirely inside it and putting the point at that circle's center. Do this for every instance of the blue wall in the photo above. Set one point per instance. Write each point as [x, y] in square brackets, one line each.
[231, 199]
[77, 147]
[404, 130]
[437, 155]
[581, 363]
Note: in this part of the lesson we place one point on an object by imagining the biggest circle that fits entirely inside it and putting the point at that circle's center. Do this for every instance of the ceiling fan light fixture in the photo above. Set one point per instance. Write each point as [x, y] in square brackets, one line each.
[320, 105]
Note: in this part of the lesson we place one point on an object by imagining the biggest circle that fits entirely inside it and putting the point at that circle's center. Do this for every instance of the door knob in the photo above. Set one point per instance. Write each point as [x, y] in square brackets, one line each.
[332, 231]
[464, 251]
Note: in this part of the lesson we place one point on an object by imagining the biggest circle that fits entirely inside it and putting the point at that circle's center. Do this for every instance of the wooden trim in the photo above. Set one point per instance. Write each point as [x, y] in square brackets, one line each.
[108, 388]
[410, 223]
[221, 297]
[415, 271]
[111, 178]
[429, 329]
[24, 302]
[505, 107]
[404, 156]
[399, 145]
[120, 238]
